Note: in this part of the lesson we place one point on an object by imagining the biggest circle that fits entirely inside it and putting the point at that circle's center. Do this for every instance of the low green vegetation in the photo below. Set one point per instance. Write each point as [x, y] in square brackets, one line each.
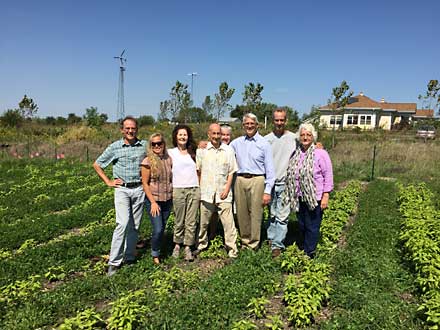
[372, 287]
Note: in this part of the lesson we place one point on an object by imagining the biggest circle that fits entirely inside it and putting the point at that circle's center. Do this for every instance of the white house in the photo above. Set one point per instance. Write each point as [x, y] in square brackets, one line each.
[365, 113]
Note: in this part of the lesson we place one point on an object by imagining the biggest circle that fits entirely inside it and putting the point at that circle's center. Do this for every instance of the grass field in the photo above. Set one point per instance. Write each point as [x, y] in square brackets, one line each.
[56, 220]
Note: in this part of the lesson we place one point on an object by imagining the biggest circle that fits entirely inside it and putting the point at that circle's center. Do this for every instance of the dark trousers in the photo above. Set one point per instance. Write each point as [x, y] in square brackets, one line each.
[309, 223]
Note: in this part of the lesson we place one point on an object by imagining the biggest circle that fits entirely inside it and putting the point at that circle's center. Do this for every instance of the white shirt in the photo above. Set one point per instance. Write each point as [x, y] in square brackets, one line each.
[184, 170]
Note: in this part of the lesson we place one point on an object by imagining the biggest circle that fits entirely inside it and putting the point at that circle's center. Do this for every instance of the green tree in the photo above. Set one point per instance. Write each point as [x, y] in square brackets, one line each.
[12, 118]
[208, 105]
[180, 99]
[433, 93]
[93, 118]
[221, 103]
[27, 107]
[252, 96]
[145, 121]
[338, 101]
[60, 121]
[193, 115]
[313, 116]
[73, 119]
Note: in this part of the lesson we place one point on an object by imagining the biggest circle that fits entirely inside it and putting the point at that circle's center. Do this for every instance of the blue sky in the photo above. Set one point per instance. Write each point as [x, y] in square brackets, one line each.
[60, 53]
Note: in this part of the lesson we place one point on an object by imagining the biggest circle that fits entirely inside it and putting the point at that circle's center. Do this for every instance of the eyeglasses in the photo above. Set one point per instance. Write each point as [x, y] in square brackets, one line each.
[157, 144]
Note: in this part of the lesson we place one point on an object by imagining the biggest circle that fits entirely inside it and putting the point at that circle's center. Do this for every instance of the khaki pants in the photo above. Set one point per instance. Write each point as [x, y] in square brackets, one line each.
[249, 200]
[186, 203]
[225, 214]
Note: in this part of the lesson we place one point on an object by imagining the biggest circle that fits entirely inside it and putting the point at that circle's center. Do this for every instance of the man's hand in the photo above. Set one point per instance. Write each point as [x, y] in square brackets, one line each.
[224, 194]
[203, 144]
[115, 183]
[266, 199]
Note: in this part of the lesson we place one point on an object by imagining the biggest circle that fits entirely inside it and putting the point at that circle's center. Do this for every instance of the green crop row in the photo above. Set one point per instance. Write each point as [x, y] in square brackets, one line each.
[420, 236]
[307, 286]
[47, 226]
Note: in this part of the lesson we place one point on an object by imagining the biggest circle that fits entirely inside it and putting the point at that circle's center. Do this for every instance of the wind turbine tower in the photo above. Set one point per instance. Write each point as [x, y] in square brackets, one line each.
[120, 112]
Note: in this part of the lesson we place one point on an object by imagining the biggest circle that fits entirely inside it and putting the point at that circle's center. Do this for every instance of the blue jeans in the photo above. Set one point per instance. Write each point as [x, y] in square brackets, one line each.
[279, 218]
[309, 224]
[158, 223]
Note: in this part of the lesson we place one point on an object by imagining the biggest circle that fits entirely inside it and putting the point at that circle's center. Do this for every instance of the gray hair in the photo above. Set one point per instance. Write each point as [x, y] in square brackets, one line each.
[250, 115]
[229, 128]
[309, 128]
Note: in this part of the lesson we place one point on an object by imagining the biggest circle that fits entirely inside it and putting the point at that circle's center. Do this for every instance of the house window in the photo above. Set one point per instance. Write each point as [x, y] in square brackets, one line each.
[352, 120]
[365, 120]
[335, 120]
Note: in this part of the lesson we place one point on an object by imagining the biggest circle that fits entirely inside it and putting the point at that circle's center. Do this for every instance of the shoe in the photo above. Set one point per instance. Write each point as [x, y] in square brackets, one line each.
[156, 261]
[129, 262]
[141, 244]
[112, 270]
[276, 253]
[232, 254]
[196, 252]
[176, 252]
[188, 254]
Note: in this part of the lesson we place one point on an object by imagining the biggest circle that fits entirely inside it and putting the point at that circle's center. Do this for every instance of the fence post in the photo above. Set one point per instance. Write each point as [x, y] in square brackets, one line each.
[374, 161]
[87, 153]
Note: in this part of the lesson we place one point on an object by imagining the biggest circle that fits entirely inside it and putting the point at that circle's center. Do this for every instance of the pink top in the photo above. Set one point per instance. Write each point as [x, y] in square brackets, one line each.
[322, 172]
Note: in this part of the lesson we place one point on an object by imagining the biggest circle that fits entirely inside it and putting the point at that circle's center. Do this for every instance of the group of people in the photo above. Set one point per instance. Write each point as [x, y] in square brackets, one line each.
[284, 170]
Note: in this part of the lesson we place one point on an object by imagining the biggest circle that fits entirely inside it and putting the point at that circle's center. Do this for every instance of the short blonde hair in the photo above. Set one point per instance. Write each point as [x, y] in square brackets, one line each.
[309, 128]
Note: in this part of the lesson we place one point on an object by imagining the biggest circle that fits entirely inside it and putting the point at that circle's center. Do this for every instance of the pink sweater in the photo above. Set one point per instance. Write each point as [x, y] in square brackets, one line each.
[322, 172]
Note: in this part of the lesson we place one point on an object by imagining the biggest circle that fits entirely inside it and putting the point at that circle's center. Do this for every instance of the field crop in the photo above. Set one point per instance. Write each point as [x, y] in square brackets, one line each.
[57, 218]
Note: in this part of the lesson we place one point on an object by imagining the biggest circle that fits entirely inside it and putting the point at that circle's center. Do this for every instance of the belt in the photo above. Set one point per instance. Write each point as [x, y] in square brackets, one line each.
[131, 184]
[248, 175]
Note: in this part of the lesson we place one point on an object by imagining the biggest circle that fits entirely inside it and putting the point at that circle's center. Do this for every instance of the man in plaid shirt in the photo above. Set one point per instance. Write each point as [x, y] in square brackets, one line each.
[126, 156]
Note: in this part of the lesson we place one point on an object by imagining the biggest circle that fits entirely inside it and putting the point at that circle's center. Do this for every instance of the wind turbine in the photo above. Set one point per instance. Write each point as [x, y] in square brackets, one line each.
[120, 112]
[192, 74]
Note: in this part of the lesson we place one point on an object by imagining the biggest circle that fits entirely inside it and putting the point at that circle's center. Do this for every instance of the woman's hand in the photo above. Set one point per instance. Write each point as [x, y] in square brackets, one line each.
[155, 209]
[324, 201]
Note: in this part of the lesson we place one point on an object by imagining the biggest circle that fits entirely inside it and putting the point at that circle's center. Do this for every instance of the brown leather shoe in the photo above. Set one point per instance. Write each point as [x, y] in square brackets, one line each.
[276, 253]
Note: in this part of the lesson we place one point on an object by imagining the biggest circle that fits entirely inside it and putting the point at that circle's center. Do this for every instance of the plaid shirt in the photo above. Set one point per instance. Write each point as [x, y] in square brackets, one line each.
[126, 159]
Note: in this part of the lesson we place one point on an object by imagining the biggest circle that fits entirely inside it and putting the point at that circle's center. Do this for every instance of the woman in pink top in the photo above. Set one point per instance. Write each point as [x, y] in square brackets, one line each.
[309, 181]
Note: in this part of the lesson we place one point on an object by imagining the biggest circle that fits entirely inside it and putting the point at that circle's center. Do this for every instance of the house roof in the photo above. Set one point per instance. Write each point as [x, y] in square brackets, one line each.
[424, 113]
[364, 102]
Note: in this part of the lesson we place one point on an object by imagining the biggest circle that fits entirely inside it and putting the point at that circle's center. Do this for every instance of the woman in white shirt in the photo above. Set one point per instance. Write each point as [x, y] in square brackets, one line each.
[186, 192]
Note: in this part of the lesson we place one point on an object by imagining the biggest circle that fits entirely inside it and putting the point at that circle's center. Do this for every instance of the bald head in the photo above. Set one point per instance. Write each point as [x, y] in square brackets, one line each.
[214, 134]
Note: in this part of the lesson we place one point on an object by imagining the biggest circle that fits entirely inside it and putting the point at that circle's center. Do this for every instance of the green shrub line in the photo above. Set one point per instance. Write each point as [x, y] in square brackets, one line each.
[307, 285]
[420, 237]
[71, 251]
[46, 204]
[48, 226]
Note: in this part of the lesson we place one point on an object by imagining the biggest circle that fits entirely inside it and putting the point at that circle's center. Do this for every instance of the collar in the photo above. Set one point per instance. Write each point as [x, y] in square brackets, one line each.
[137, 143]
[211, 146]
[253, 138]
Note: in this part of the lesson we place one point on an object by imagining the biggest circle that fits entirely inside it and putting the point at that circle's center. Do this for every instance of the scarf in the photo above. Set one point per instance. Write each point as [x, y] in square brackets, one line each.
[306, 180]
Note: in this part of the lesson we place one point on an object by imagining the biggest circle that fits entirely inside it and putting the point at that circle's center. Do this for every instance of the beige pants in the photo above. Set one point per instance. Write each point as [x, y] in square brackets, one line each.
[225, 214]
[249, 200]
[186, 203]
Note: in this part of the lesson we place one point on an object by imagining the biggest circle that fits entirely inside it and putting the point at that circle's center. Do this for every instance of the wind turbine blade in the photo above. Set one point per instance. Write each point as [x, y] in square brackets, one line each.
[122, 52]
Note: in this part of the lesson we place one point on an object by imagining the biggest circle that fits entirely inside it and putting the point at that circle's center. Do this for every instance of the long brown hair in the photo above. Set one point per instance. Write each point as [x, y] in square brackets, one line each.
[190, 144]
